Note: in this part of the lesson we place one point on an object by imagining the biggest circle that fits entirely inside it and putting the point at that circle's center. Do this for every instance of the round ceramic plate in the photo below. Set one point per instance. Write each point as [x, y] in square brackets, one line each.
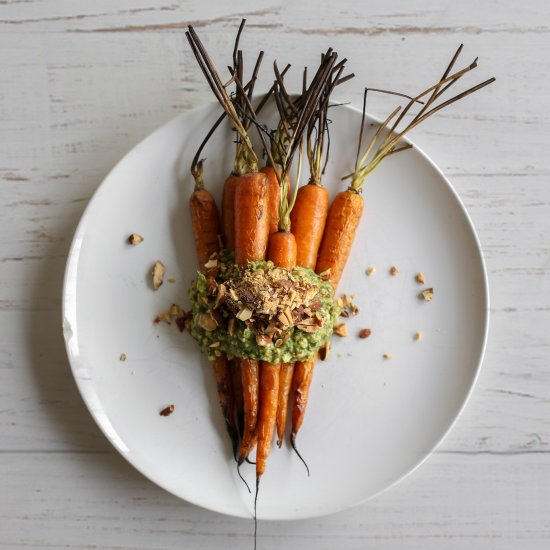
[370, 420]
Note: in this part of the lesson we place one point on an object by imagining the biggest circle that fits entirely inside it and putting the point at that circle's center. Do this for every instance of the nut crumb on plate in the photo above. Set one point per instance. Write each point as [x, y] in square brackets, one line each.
[420, 278]
[167, 411]
[365, 333]
[370, 271]
[427, 294]
[135, 238]
[158, 274]
[122, 357]
[387, 356]
[393, 271]
[341, 330]
[171, 279]
[418, 336]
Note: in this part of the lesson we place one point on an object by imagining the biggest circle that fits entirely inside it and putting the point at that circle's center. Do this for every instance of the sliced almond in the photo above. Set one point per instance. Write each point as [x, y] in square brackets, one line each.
[244, 314]
[207, 322]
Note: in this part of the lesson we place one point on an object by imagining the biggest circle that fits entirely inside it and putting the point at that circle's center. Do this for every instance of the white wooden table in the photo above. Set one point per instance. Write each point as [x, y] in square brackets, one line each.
[82, 82]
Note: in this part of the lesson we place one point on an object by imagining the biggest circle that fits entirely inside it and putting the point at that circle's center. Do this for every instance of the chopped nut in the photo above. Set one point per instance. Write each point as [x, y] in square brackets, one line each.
[167, 411]
[220, 296]
[263, 340]
[207, 322]
[354, 309]
[324, 351]
[427, 294]
[387, 356]
[244, 314]
[158, 274]
[325, 275]
[393, 271]
[213, 262]
[418, 336]
[365, 333]
[370, 271]
[279, 343]
[163, 317]
[420, 278]
[184, 320]
[122, 357]
[175, 310]
[344, 313]
[171, 279]
[135, 238]
[341, 330]
[214, 345]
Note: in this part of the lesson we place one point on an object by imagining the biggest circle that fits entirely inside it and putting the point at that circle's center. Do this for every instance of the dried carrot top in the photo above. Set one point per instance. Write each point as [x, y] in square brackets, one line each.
[262, 312]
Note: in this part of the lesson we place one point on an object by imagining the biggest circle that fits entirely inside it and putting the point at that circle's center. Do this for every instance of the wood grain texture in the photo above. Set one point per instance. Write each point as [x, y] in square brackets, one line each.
[82, 82]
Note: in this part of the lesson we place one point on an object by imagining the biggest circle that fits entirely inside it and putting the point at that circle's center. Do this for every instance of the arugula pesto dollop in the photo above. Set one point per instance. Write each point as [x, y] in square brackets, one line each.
[262, 312]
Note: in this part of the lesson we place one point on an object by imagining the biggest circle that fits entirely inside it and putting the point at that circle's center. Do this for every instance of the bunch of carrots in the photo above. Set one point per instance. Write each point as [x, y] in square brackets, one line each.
[263, 218]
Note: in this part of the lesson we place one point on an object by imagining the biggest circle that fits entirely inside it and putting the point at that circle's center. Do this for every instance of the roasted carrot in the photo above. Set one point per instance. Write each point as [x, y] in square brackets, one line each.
[250, 384]
[205, 219]
[222, 372]
[299, 393]
[269, 393]
[308, 219]
[342, 222]
[274, 197]
[285, 381]
[251, 218]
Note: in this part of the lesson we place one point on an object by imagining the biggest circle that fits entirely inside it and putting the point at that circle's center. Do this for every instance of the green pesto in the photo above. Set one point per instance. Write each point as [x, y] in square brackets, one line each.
[298, 347]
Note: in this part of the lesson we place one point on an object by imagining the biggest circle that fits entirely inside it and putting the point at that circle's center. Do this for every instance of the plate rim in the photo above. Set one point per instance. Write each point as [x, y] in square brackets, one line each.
[69, 294]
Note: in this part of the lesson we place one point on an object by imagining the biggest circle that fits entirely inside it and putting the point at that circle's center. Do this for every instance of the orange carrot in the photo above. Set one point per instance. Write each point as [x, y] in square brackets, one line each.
[206, 223]
[342, 222]
[282, 252]
[299, 394]
[251, 218]
[269, 393]
[308, 219]
[222, 371]
[285, 381]
[250, 383]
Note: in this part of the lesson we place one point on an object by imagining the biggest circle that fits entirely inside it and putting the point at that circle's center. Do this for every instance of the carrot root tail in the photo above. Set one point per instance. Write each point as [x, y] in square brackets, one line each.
[293, 443]
[242, 478]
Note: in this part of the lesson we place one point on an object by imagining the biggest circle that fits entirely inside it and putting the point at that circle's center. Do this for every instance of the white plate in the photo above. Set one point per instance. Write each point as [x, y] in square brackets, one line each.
[370, 421]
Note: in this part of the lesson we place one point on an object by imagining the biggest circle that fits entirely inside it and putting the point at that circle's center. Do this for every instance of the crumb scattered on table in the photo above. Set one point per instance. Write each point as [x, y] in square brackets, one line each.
[171, 279]
[122, 357]
[370, 271]
[418, 336]
[420, 278]
[387, 356]
[393, 271]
